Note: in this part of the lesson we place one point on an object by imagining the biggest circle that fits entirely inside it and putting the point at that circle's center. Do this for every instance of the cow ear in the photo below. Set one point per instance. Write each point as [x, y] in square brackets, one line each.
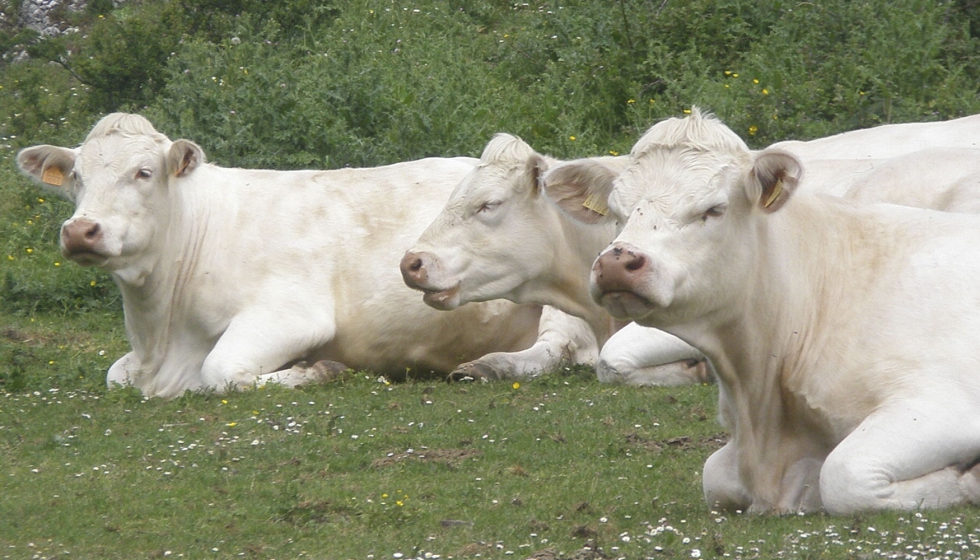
[534, 171]
[51, 166]
[184, 157]
[581, 188]
[773, 179]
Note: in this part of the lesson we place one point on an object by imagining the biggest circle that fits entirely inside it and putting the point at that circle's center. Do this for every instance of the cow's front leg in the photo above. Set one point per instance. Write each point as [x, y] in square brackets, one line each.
[256, 346]
[562, 339]
[638, 355]
[917, 453]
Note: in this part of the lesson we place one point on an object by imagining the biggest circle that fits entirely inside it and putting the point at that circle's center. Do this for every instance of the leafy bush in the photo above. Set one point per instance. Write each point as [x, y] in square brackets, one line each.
[323, 84]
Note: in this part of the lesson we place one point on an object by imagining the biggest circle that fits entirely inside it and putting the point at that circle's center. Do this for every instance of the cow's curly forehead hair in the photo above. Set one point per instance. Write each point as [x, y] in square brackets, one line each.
[505, 149]
[699, 132]
[126, 124]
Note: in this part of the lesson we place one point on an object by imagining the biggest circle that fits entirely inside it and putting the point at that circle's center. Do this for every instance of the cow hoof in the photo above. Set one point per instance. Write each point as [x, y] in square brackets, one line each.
[325, 371]
[471, 371]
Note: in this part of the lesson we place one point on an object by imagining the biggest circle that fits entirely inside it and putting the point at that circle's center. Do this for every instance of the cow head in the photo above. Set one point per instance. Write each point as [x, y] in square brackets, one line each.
[119, 180]
[495, 236]
[688, 202]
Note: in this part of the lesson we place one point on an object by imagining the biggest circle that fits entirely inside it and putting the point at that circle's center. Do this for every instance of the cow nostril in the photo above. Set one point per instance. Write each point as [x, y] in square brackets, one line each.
[636, 263]
[415, 265]
[92, 232]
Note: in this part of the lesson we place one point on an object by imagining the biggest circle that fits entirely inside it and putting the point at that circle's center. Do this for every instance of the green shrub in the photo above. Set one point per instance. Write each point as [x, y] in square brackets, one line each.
[307, 84]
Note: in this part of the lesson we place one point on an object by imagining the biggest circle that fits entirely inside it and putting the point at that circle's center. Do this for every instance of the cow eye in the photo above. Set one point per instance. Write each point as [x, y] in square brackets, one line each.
[713, 212]
[144, 173]
[488, 207]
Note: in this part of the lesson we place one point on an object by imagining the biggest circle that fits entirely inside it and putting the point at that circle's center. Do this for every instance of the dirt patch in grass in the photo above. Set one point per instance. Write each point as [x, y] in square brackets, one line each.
[314, 512]
[451, 457]
[716, 441]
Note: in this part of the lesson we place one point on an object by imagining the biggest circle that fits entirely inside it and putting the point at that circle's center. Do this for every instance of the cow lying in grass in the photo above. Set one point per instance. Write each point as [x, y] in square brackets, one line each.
[235, 277]
[500, 236]
[843, 334]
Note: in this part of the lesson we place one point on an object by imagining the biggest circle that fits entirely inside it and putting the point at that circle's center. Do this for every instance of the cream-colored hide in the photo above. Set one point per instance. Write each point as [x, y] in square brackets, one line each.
[231, 277]
[843, 335]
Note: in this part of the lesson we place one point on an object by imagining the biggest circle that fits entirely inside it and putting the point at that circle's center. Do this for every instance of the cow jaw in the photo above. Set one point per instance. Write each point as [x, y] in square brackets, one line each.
[443, 300]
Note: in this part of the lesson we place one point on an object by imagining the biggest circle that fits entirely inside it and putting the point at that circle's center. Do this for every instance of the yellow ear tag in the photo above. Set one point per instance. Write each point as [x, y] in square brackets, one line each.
[53, 176]
[596, 204]
[776, 191]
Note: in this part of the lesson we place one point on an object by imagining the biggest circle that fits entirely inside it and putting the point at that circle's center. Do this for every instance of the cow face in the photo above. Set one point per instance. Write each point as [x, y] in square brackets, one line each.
[690, 201]
[489, 238]
[119, 181]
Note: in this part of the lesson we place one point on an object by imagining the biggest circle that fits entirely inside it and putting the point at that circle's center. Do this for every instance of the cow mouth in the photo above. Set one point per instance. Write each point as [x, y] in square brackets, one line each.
[443, 300]
[85, 258]
[626, 305]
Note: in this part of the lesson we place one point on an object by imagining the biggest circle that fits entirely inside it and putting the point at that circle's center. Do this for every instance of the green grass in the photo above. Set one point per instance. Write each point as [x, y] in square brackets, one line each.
[494, 471]
[361, 468]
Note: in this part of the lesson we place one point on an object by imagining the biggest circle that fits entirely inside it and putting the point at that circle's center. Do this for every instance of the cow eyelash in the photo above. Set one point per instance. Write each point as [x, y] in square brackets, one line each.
[487, 206]
[713, 212]
[144, 173]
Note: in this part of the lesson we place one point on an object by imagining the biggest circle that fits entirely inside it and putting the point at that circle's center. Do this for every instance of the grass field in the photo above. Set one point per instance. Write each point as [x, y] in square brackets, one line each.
[559, 467]
[362, 468]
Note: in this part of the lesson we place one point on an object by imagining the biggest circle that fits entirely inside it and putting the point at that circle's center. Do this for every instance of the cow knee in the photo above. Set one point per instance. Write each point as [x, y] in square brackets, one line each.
[848, 486]
[722, 487]
[222, 377]
[124, 372]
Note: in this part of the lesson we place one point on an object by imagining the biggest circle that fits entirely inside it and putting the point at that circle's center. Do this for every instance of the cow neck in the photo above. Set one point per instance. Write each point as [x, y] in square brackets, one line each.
[151, 297]
[576, 247]
[767, 349]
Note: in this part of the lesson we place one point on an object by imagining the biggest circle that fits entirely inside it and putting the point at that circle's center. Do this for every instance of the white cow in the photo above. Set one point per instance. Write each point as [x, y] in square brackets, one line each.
[941, 179]
[888, 141]
[844, 335]
[230, 276]
[499, 236]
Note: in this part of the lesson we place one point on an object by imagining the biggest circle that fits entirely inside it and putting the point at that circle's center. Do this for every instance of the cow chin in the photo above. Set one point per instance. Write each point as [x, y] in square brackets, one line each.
[626, 305]
[443, 300]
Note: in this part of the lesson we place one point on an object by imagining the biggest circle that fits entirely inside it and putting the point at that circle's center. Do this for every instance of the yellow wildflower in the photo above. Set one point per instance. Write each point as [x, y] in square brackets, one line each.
[572, 138]
[630, 101]
[753, 129]
[516, 385]
[765, 91]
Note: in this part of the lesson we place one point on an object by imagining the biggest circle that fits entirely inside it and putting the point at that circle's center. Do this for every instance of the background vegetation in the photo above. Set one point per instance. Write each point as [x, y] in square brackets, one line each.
[304, 83]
